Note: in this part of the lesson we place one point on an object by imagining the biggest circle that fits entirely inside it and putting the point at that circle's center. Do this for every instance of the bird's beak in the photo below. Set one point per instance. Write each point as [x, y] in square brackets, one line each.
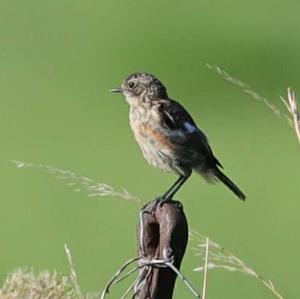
[118, 89]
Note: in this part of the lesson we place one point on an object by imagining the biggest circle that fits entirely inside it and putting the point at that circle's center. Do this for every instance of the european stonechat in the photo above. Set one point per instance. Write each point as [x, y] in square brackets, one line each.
[167, 134]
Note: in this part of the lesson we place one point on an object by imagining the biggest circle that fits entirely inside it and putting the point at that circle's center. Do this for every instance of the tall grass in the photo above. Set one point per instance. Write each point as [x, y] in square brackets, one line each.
[26, 284]
[213, 255]
[218, 257]
[293, 116]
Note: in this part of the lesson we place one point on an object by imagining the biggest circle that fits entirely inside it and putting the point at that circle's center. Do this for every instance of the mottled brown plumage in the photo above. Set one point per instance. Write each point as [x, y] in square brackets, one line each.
[167, 134]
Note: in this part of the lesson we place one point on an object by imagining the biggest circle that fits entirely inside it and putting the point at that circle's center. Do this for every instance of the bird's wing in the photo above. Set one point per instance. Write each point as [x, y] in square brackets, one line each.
[181, 130]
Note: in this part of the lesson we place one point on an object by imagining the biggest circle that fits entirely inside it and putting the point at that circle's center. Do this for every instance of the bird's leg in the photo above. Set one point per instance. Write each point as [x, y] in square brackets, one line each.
[171, 192]
[165, 195]
[168, 195]
[164, 198]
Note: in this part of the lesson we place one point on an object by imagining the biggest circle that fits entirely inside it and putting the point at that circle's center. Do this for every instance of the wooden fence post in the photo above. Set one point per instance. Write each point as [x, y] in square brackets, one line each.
[162, 234]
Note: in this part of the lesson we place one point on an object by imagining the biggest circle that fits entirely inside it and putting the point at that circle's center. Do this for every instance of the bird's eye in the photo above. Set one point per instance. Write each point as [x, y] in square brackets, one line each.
[131, 84]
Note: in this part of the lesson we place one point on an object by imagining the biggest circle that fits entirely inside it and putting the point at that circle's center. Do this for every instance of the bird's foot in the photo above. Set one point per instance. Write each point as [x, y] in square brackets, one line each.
[160, 201]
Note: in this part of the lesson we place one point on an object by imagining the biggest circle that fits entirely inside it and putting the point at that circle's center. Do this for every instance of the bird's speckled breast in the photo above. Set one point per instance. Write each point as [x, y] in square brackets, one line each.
[156, 147]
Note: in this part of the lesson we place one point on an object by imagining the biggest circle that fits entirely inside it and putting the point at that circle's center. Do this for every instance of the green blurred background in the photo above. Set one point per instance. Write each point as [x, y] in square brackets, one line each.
[58, 59]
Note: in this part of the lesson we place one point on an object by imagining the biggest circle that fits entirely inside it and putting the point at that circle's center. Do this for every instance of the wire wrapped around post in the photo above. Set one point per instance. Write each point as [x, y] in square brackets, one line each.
[162, 234]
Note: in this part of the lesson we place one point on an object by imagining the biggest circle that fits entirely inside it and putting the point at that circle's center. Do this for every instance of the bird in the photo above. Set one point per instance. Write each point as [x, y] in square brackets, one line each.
[168, 136]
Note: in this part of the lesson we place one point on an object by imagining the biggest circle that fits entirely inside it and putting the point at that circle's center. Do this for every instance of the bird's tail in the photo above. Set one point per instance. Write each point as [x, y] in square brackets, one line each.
[230, 184]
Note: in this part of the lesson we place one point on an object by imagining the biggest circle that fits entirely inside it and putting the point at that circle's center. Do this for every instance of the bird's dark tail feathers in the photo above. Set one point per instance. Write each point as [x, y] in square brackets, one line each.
[231, 185]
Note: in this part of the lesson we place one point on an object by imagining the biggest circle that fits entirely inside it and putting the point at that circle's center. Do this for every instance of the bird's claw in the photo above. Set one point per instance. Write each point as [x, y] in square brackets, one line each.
[160, 201]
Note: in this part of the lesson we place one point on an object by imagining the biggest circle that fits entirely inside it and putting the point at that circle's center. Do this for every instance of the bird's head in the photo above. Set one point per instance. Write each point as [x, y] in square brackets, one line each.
[142, 87]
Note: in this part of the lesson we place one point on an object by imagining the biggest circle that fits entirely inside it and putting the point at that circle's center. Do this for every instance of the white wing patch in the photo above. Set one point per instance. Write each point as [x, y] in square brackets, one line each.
[190, 128]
